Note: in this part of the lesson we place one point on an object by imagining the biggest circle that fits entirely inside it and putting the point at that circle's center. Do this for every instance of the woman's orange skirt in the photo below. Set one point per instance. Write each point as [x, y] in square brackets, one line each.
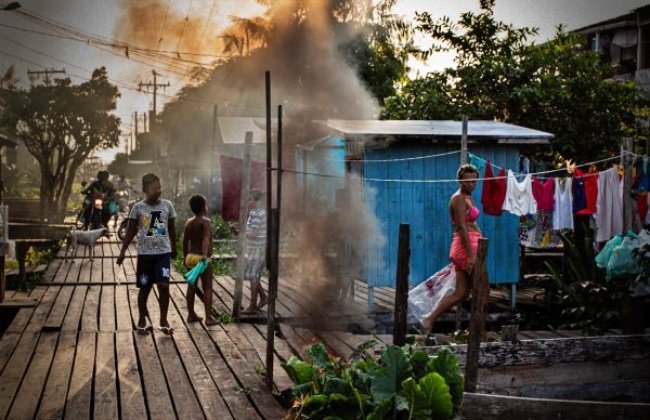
[457, 252]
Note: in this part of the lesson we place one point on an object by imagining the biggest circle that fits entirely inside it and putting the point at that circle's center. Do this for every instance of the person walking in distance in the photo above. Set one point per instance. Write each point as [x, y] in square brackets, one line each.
[464, 244]
[255, 254]
[152, 220]
[197, 246]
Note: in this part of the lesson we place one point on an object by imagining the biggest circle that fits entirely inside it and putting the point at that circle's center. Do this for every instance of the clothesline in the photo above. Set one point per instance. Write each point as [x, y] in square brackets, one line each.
[454, 180]
[364, 161]
[554, 170]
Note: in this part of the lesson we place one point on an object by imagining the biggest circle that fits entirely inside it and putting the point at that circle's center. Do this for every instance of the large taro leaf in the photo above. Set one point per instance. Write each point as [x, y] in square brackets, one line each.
[314, 404]
[419, 360]
[447, 365]
[335, 385]
[437, 396]
[317, 354]
[416, 400]
[300, 372]
[382, 410]
[395, 367]
[342, 406]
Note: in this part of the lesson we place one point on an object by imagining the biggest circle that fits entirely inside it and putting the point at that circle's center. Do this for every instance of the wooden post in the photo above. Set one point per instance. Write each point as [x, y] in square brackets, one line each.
[211, 159]
[243, 215]
[402, 287]
[273, 292]
[629, 206]
[269, 174]
[463, 141]
[480, 290]
[275, 261]
[463, 161]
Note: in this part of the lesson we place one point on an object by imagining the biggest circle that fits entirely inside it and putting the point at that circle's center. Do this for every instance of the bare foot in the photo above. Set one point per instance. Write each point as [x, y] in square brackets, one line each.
[263, 302]
[427, 325]
[250, 311]
[212, 321]
[194, 318]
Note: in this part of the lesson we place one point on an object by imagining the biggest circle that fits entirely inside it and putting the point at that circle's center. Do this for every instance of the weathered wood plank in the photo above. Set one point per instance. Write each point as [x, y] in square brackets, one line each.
[122, 309]
[72, 319]
[255, 387]
[108, 273]
[55, 318]
[90, 310]
[23, 316]
[484, 406]
[31, 387]
[207, 392]
[13, 373]
[80, 392]
[155, 385]
[54, 396]
[42, 311]
[185, 400]
[557, 350]
[105, 399]
[107, 309]
[132, 400]
[238, 404]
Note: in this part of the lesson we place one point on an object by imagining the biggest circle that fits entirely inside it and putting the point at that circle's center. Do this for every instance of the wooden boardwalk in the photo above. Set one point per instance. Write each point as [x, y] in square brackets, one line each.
[76, 354]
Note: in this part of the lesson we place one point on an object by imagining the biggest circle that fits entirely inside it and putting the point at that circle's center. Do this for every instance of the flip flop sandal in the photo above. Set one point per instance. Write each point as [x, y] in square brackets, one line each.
[144, 330]
[166, 330]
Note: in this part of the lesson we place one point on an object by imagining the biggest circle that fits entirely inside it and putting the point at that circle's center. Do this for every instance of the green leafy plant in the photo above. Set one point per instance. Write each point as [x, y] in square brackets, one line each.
[404, 383]
[587, 300]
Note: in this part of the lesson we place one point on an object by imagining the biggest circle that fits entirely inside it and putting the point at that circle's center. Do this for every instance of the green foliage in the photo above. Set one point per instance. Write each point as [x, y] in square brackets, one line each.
[61, 125]
[221, 228]
[587, 301]
[403, 384]
[559, 86]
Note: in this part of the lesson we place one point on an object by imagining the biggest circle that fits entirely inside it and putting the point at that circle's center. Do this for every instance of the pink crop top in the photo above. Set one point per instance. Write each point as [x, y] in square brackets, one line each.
[473, 214]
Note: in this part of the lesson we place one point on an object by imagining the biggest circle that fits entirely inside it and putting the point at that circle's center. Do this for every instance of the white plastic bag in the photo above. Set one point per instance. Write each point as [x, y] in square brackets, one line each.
[425, 297]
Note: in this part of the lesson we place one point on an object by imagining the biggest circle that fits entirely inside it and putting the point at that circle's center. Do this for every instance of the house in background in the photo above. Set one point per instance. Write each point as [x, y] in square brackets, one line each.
[408, 171]
[624, 42]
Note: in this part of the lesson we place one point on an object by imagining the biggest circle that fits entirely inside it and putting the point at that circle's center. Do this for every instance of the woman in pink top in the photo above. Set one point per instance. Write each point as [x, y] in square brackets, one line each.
[464, 244]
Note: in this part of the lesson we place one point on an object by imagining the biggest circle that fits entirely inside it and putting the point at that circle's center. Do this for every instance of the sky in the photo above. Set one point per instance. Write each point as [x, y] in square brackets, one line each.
[26, 50]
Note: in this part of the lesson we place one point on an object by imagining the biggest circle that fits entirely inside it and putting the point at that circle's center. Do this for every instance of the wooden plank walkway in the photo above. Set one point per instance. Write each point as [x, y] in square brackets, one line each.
[76, 355]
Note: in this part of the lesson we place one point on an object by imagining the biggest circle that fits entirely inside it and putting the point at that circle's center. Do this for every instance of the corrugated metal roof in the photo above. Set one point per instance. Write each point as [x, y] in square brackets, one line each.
[233, 129]
[438, 128]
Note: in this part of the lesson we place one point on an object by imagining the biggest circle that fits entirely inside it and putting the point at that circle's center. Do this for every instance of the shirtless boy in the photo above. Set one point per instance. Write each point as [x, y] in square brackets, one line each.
[197, 245]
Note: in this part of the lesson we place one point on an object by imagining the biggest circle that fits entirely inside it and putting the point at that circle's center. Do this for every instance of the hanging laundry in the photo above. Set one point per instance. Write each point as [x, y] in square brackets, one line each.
[578, 194]
[519, 196]
[642, 206]
[563, 208]
[543, 193]
[591, 190]
[642, 183]
[609, 214]
[494, 192]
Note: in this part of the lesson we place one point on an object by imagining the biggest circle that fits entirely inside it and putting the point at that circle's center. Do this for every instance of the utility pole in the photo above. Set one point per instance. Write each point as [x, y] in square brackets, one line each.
[36, 74]
[154, 91]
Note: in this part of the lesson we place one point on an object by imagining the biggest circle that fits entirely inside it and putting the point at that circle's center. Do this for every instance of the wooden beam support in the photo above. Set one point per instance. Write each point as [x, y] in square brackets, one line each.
[402, 288]
[480, 289]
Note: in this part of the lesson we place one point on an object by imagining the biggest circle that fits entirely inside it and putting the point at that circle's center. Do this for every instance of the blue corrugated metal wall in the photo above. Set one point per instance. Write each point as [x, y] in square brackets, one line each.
[425, 207]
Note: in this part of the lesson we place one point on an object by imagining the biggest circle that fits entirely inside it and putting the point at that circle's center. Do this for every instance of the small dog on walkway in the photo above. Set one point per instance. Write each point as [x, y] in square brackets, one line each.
[87, 238]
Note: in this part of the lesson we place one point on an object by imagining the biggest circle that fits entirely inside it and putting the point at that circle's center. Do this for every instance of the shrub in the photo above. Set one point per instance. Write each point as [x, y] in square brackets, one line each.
[403, 384]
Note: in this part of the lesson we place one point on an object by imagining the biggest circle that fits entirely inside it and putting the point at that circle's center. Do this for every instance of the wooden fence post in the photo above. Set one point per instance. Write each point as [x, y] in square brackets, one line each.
[480, 290]
[243, 216]
[402, 287]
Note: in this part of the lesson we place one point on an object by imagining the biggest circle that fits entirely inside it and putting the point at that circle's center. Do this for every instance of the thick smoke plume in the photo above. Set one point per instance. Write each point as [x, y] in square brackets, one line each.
[300, 42]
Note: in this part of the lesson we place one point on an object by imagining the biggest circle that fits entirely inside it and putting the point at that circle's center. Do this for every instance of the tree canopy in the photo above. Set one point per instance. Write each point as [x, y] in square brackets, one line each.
[61, 125]
[559, 86]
